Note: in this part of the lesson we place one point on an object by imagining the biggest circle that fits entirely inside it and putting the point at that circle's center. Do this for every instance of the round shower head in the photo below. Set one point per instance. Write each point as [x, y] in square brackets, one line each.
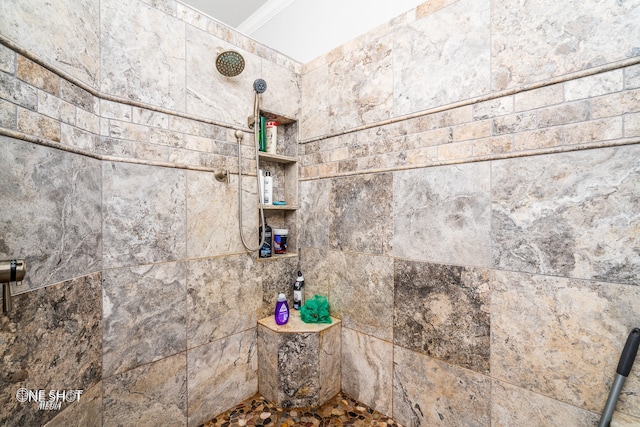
[230, 63]
[260, 86]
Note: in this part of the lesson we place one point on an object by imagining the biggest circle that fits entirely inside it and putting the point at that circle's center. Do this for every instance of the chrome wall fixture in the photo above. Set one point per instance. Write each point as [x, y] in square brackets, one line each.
[10, 271]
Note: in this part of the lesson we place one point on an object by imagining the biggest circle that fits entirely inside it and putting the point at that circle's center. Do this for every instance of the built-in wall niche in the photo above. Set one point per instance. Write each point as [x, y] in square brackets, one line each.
[283, 166]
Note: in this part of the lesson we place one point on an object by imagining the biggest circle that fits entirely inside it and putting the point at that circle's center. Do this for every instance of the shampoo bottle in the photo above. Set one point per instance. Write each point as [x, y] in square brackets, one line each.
[298, 292]
[265, 250]
[282, 310]
[268, 189]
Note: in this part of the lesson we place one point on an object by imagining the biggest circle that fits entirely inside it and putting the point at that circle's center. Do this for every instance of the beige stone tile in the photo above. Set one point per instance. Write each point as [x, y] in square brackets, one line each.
[124, 27]
[595, 85]
[144, 316]
[223, 298]
[221, 374]
[450, 48]
[632, 77]
[79, 138]
[593, 131]
[7, 60]
[126, 130]
[115, 110]
[72, 45]
[38, 125]
[472, 130]
[77, 96]
[441, 214]
[616, 104]
[148, 223]
[579, 111]
[150, 118]
[508, 408]
[428, 7]
[367, 369]
[563, 337]
[548, 38]
[496, 145]
[623, 420]
[442, 394]
[18, 92]
[137, 394]
[56, 108]
[37, 75]
[455, 151]
[85, 412]
[87, 121]
[163, 137]
[536, 139]
[538, 98]
[515, 123]
[7, 114]
[632, 125]
[493, 108]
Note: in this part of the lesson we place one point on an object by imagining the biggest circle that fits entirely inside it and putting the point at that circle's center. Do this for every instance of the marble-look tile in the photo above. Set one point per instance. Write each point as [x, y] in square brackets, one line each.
[507, 409]
[7, 60]
[150, 65]
[314, 213]
[330, 362]
[367, 369]
[223, 298]
[72, 44]
[443, 312]
[86, 412]
[51, 340]
[8, 115]
[144, 316]
[316, 270]
[51, 212]
[298, 376]
[443, 58]
[153, 394]
[362, 213]
[571, 214]
[267, 343]
[210, 94]
[442, 214]
[622, 420]
[314, 114]
[221, 374]
[361, 292]
[278, 276]
[18, 92]
[547, 38]
[442, 394]
[563, 337]
[362, 86]
[212, 214]
[38, 125]
[144, 210]
[38, 76]
[283, 90]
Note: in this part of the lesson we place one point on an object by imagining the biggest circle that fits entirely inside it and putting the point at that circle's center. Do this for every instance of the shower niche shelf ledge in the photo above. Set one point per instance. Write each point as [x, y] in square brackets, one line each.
[283, 165]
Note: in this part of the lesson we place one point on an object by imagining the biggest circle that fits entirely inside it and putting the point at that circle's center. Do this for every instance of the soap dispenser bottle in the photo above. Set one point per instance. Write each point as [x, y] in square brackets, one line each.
[298, 291]
[282, 310]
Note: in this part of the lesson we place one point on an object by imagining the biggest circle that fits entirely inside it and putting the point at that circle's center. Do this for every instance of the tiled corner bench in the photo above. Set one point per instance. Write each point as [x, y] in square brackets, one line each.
[299, 363]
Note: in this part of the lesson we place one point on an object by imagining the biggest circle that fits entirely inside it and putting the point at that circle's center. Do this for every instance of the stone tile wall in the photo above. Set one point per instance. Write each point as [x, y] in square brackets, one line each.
[477, 233]
[110, 135]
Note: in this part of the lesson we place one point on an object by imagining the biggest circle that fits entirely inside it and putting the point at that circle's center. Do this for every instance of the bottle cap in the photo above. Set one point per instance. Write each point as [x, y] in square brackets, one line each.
[282, 297]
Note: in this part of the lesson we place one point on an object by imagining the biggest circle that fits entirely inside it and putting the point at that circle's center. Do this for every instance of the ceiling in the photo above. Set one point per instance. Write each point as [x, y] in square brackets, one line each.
[303, 29]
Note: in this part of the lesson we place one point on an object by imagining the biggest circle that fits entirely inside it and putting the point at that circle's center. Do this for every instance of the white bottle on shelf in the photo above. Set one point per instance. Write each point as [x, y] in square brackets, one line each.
[268, 189]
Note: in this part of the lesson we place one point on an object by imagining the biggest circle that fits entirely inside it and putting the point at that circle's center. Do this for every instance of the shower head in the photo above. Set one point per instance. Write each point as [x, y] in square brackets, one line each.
[260, 86]
[230, 63]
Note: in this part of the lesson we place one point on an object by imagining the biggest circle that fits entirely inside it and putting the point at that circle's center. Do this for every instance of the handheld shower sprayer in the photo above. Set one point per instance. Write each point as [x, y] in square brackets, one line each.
[259, 86]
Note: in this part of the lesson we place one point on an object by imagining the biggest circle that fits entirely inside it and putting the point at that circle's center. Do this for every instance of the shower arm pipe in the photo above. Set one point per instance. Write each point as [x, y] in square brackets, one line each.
[256, 110]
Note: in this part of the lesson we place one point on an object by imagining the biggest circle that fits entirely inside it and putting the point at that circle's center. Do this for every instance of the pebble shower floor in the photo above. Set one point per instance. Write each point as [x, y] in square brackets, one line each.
[342, 410]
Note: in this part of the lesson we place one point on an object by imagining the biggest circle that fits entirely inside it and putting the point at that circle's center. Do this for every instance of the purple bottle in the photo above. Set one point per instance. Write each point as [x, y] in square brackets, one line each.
[282, 310]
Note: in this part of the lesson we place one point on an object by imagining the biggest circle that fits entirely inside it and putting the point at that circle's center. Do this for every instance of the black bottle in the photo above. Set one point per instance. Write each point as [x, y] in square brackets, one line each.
[298, 292]
[265, 250]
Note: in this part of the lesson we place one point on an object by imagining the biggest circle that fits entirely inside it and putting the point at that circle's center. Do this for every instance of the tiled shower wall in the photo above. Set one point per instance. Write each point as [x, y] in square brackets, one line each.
[138, 290]
[483, 252]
